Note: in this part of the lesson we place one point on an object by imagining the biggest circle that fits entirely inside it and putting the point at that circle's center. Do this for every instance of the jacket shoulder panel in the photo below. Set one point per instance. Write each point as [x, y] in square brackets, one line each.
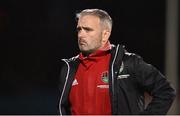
[71, 59]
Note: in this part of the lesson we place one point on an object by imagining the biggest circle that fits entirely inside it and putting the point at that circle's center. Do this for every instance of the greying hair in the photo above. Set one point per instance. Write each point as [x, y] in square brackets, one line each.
[104, 17]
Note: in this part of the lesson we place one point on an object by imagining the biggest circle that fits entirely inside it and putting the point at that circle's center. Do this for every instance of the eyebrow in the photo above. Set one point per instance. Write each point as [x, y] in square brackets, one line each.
[85, 28]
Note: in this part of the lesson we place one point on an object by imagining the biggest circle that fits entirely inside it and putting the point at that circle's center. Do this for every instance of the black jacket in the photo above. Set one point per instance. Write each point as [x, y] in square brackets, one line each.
[129, 78]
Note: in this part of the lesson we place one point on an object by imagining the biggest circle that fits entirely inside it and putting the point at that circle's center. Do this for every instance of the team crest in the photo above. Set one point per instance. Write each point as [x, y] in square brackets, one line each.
[104, 77]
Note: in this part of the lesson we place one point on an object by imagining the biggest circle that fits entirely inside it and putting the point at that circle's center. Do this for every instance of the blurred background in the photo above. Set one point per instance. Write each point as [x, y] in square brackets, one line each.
[36, 34]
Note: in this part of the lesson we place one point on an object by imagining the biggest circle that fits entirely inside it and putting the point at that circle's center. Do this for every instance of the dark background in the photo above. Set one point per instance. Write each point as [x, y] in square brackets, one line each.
[36, 34]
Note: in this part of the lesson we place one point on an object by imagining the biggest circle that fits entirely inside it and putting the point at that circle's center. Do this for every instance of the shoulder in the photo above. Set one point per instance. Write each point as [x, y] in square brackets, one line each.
[131, 56]
[126, 54]
[120, 51]
[128, 58]
[69, 61]
[74, 58]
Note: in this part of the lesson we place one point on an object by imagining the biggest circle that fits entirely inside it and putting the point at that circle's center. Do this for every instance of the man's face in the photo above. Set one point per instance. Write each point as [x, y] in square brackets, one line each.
[90, 34]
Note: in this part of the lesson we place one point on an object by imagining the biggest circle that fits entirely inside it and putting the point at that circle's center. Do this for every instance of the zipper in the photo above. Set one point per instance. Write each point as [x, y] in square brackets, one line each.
[112, 69]
[67, 75]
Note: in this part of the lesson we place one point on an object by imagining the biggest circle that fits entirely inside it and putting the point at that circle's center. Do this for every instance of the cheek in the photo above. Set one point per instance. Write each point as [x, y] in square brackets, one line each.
[94, 39]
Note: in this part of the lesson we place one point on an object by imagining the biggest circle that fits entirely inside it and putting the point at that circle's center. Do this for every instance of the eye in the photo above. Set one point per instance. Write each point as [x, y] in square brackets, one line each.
[87, 29]
[78, 29]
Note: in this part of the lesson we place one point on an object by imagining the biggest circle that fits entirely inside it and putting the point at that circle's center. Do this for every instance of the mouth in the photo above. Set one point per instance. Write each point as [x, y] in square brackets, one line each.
[81, 43]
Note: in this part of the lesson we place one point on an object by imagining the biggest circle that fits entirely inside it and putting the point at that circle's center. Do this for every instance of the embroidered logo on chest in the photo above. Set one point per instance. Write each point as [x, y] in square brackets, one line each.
[104, 77]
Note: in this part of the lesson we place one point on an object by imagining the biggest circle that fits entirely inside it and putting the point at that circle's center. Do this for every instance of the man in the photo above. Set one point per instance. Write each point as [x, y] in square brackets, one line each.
[106, 79]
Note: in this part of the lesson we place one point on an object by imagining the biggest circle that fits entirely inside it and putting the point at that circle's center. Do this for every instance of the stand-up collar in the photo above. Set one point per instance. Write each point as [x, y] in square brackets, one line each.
[98, 53]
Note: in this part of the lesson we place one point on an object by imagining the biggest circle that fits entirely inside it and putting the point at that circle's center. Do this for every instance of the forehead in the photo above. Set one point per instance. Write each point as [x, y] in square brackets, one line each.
[88, 20]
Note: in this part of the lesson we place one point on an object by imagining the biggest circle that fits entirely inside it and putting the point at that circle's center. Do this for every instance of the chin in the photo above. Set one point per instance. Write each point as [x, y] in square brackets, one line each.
[86, 52]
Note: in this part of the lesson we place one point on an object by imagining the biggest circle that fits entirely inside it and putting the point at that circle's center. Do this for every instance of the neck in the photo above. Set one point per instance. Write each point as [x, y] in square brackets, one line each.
[87, 53]
[104, 47]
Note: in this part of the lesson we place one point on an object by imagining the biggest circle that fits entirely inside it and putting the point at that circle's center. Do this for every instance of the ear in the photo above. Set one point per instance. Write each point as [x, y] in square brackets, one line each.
[105, 35]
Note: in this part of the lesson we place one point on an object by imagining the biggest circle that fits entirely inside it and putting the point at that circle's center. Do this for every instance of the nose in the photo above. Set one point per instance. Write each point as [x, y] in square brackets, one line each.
[81, 33]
